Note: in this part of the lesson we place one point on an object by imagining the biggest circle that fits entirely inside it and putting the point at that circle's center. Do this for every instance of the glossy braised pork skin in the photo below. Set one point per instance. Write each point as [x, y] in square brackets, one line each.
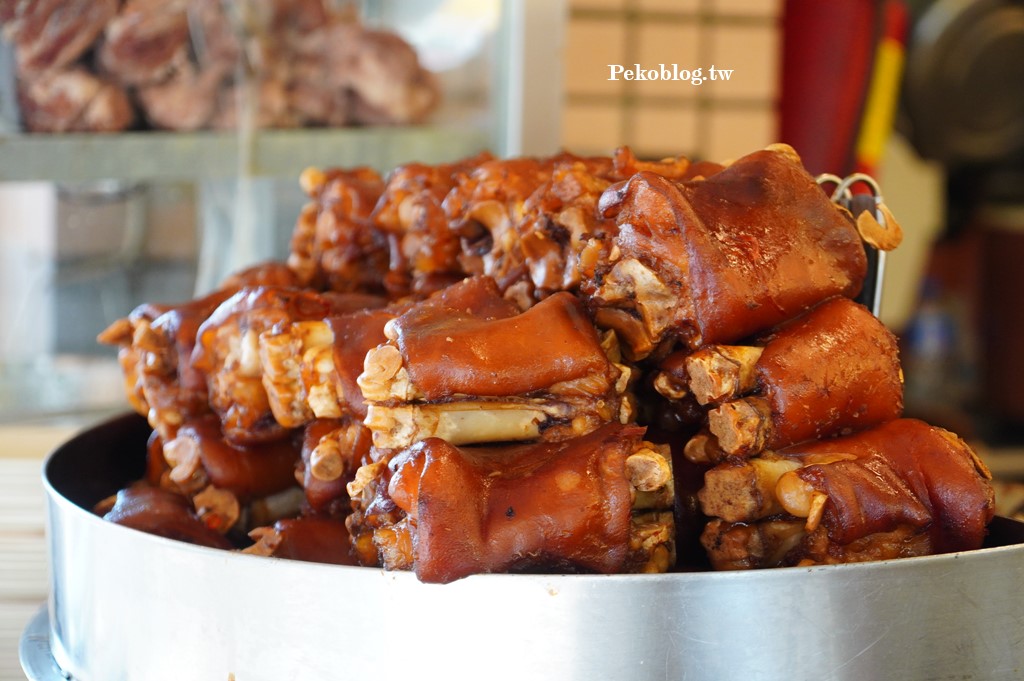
[901, 489]
[549, 364]
[467, 366]
[565, 505]
[832, 371]
[719, 259]
[227, 352]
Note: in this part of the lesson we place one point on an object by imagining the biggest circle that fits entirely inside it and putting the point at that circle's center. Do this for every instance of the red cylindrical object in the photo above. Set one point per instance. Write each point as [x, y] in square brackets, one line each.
[828, 51]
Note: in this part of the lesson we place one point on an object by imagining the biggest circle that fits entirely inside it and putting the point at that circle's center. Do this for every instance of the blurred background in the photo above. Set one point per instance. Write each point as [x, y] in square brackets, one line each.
[114, 203]
[927, 97]
[163, 150]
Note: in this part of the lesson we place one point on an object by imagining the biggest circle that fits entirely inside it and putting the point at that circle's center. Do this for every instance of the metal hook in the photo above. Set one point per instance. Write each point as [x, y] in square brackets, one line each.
[842, 195]
[844, 186]
[828, 178]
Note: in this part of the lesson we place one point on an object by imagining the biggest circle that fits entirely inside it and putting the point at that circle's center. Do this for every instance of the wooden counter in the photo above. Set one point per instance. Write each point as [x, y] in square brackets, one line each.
[23, 563]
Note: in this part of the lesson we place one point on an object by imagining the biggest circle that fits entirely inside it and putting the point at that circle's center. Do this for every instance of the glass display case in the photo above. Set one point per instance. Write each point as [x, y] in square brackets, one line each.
[94, 223]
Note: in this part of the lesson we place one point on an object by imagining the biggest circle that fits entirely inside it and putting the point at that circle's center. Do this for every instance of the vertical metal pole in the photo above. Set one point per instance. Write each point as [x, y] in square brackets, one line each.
[528, 96]
[28, 231]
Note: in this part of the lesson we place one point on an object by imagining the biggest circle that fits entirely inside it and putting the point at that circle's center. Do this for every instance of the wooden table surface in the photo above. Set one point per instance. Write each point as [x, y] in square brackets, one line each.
[23, 563]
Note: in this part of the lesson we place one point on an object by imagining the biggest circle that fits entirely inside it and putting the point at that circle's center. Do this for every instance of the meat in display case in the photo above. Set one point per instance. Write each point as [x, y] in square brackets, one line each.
[191, 65]
[206, 183]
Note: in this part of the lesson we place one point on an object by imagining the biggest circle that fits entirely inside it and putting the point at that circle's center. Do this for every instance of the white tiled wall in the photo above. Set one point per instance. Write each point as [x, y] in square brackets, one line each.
[660, 128]
[603, 42]
[592, 126]
[691, 6]
[734, 132]
[752, 52]
[29, 241]
[744, 8]
[657, 43]
[714, 120]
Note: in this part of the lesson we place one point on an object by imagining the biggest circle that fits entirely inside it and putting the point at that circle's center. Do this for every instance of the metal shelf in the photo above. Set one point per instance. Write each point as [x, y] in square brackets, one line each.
[172, 156]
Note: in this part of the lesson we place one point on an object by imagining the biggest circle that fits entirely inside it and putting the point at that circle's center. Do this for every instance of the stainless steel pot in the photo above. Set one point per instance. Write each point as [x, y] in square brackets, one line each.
[126, 605]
